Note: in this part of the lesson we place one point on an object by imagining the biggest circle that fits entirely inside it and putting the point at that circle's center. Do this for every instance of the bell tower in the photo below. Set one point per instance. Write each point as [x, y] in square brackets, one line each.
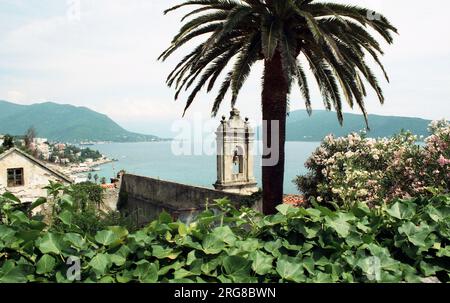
[235, 139]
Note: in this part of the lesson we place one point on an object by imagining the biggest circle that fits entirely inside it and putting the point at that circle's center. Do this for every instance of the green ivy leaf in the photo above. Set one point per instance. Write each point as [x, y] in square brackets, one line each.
[106, 237]
[117, 259]
[11, 273]
[50, 243]
[182, 273]
[339, 224]
[308, 232]
[428, 269]
[290, 269]
[66, 217]
[308, 264]
[191, 257]
[262, 262]
[286, 209]
[100, 263]
[107, 279]
[443, 252]
[211, 265]
[437, 215]
[236, 265]
[274, 247]
[164, 253]
[188, 242]
[6, 232]
[175, 266]
[119, 231]
[45, 264]
[141, 238]
[182, 230]
[415, 234]
[125, 276]
[248, 245]
[212, 245]
[146, 272]
[354, 239]
[324, 278]
[76, 240]
[402, 211]
[225, 233]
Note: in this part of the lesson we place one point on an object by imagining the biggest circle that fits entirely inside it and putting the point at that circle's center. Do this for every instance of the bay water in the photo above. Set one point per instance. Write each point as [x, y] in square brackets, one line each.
[157, 160]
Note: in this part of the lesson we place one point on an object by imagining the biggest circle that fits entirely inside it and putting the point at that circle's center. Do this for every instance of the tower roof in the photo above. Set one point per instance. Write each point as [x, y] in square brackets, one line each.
[235, 123]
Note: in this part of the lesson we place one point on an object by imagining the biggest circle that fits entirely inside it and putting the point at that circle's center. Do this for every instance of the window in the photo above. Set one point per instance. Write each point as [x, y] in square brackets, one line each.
[15, 177]
[238, 161]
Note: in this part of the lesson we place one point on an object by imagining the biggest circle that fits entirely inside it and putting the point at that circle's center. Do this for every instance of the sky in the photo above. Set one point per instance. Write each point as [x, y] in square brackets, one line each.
[102, 54]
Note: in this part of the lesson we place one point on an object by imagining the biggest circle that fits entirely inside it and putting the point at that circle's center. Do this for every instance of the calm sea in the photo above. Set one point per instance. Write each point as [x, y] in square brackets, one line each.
[156, 159]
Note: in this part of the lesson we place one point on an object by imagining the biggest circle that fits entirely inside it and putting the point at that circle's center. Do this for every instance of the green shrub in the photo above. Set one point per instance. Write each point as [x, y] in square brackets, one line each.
[83, 202]
[405, 241]
[87, 194]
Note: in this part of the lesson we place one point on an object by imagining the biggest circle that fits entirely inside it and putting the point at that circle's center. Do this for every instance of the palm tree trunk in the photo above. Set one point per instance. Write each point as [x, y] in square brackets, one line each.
[274, 108]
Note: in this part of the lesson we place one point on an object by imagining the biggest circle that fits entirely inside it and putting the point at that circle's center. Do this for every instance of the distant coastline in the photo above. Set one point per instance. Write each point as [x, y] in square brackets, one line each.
[77, 171]
[93, 143]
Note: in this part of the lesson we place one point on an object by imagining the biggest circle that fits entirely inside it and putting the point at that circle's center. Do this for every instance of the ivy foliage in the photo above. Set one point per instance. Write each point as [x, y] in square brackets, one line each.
[406, 240]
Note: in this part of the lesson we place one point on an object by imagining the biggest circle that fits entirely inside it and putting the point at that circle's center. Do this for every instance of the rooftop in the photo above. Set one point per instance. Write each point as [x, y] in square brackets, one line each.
[295, 200]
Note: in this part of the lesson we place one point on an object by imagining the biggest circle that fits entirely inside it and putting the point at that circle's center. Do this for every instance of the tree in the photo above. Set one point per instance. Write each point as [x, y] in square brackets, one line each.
[30, 136]
[333, 40]
[89, 176]
[96, 178]
[8, 142]
[103, 180]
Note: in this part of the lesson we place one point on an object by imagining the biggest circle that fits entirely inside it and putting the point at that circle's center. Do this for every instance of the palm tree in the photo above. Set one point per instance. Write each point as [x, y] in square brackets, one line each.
[333, 40]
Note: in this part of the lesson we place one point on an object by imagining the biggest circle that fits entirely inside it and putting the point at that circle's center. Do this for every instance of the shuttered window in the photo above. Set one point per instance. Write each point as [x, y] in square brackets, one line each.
[15, 177]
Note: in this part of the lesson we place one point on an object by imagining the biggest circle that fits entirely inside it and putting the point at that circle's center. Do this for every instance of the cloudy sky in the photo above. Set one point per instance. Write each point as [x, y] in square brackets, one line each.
[105, 58]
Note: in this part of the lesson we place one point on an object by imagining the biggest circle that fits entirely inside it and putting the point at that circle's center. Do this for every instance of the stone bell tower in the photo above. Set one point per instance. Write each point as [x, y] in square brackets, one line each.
[235, 163]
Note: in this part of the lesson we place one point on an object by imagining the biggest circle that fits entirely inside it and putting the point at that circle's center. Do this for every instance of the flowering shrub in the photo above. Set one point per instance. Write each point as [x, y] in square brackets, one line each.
[356, 168]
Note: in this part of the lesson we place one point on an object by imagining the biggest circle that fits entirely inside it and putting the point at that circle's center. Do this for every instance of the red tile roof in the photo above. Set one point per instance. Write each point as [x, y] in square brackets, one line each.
[295, 200]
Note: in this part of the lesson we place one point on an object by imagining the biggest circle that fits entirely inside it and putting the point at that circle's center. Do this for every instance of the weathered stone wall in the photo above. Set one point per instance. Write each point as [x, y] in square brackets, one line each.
[110, 197]
[145, 198]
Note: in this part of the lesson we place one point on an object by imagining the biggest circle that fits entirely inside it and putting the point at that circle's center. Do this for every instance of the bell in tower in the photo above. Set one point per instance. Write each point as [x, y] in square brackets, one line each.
[235, 140]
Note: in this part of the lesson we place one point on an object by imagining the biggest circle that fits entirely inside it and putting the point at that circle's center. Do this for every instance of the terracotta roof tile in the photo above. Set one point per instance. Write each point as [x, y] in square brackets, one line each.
[295, 200]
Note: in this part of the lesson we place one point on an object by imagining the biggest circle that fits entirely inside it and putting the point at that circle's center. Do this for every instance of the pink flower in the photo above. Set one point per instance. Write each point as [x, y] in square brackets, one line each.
[442, 161]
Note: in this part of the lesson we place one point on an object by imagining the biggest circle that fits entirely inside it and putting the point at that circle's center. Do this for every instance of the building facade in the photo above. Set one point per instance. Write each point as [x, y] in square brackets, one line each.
[25, 177]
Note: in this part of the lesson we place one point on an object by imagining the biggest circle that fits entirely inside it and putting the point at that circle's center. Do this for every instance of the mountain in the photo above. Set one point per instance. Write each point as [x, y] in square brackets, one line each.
[64, 123]
[302, 127]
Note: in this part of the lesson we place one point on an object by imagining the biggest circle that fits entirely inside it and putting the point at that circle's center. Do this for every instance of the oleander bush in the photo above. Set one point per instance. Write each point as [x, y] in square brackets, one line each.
[406, 240]
[375, 171]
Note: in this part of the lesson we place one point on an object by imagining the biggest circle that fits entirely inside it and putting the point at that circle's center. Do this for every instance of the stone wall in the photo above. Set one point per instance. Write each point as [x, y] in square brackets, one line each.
[110, 197]
[145, 198]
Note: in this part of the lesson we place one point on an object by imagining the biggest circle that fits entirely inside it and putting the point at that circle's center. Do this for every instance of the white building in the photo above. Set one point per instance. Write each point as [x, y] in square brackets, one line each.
[25, 176]
[39, 141]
